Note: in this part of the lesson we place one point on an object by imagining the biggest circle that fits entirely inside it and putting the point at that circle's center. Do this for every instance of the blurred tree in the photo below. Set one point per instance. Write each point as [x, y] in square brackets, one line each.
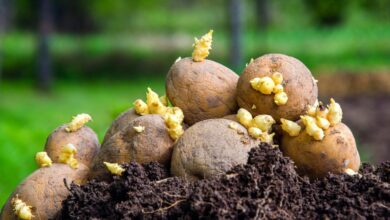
[234, 14]
[327, 12]
[44, 60]
[262, 13]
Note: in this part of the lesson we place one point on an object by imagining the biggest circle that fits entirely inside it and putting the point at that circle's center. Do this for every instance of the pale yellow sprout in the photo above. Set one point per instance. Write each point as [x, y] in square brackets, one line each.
[311, 109]
[173, 122]
[233, 125]
[43, 160]
[264, 85]
[264, 122]
[278, 89]
[154, 104]
[139, 129]
[244, 117]
[322, 122]
[77, 122]
[292, 128]
[266, 137]
[202, 47]
[350, 172]
[114, 168]
[175, 111]
[277, 78]
[250, 61]
[281, 98]
[164, 100]
[178, 59]
[21, 209]
[176, 132]
[322, 111]
[254, 132]
[141, 107]
[312, 128]
[67, 155]
[335, 113]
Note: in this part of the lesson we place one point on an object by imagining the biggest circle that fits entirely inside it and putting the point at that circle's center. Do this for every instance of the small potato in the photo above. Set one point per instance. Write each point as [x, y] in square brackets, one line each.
[85, 140]
[144, 140]
[297, 82]
[211, 147]
[203, 90]
[335, 153]
[44, 191]
[120, 122]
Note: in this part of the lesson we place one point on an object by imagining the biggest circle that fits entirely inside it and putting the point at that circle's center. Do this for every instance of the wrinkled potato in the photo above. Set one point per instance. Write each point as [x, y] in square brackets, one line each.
[85, 140]
[335, 153]
[150, 143]
[298, 84]
[44, 191]
[211, 147]
[203, 90]
[120, 122]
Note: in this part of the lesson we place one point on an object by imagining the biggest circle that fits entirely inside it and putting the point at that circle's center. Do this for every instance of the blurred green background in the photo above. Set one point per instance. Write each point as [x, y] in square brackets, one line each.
[59, 58]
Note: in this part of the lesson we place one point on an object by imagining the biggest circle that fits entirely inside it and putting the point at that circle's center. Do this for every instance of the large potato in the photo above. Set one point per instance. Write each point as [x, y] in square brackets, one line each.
[335, 153]
[203, 90]
[120, 123]
[151, 144]
[85, 140]
[44, 190]
[210, 147]
[298, 83]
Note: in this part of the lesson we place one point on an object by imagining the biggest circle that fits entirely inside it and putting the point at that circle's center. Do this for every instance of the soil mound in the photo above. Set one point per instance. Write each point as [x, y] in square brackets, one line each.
[266, 187]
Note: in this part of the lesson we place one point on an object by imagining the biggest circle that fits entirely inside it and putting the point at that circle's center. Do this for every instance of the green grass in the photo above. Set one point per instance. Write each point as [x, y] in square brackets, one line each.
[27, 117]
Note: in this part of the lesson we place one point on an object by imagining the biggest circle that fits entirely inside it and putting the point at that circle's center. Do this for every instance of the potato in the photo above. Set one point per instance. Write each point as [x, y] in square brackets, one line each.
[232, 117]
[335, 153]
[85, 140]
[150, 143]
[44, 190]
[297, 82]
[211, 147]
[120, 122]
[203, 90]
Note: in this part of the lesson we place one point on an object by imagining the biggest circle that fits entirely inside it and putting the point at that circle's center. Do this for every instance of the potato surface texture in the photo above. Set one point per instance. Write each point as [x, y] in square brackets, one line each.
[120, 123]
[335, 153]
[209, 148]
[152, 144]
[203, 90]
[85, 140]
[44, 190]
[298, 84]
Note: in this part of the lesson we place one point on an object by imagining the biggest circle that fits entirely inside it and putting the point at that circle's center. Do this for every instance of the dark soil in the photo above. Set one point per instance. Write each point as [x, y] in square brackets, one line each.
[267, 187]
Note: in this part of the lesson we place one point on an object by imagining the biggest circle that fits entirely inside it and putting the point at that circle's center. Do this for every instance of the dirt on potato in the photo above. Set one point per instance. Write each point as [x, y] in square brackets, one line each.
[266, 187]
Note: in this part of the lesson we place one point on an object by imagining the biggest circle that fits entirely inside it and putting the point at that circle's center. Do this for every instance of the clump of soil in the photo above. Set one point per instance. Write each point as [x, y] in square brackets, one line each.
[266, 187]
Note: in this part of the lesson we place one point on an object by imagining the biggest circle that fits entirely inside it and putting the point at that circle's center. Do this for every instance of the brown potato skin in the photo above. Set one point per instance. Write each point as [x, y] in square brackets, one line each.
[44, 190]
[120, 123]
[153, 144]
[232, 117]
[336, 152]
[297, 82]
[85, 140]
[203, 90]
[209, 148]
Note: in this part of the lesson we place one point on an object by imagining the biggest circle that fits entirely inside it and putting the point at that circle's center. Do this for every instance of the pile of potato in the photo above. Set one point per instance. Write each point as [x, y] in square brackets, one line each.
[207, 123]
